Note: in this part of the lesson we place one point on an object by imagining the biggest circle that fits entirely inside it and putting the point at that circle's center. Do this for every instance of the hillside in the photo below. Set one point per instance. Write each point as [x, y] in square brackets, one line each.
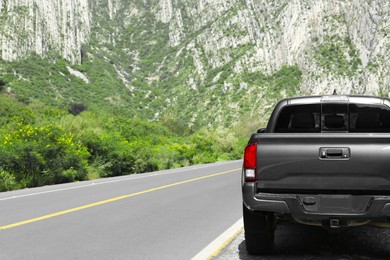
[197, 63]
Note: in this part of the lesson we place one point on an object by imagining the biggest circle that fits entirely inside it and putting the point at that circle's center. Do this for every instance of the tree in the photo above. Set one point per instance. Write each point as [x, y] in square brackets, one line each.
[76, 108]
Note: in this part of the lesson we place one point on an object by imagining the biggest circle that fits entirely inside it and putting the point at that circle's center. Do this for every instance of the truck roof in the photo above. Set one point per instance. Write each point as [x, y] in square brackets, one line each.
[337, 99]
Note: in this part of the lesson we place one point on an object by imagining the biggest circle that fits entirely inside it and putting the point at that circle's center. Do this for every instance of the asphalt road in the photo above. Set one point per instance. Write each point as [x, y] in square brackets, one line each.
[301, 242]
[163, 215]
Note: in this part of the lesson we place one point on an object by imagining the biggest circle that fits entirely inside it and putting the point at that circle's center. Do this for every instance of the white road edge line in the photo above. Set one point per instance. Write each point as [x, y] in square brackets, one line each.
[121, 178]
[215, 247]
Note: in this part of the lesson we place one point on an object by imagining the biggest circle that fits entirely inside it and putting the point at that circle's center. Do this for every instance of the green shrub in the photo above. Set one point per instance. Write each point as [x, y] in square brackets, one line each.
[7, 181]
[43, 155]
[43, 145]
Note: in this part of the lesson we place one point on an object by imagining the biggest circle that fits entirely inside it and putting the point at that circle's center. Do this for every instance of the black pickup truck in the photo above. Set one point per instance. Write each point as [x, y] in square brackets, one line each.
[323, 161]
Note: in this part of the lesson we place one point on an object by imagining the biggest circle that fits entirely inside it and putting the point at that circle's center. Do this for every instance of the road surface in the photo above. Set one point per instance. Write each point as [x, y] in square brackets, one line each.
[171, 214]
[300, 242]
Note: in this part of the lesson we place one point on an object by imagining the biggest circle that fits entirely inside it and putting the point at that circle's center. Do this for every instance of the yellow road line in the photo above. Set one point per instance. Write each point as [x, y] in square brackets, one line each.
[56, 214]
[221, 242]
[225, 244]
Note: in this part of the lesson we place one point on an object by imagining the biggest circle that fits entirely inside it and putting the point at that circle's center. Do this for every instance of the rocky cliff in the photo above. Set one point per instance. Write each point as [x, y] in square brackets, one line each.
[339, 45]
[42, 27]
[197, 60]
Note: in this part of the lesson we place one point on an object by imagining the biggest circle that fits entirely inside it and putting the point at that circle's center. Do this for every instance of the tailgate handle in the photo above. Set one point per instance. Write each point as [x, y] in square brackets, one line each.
[334, 153]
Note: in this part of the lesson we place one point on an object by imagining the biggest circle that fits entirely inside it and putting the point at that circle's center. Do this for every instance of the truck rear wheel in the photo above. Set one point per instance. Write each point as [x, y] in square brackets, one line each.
[259, 231]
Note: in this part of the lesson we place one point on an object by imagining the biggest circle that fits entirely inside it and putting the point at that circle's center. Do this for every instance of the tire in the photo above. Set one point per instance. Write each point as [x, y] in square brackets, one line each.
[259, 231]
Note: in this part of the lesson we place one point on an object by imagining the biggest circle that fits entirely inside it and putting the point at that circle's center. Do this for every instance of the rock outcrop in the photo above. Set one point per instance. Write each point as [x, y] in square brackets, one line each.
[295, 32]
[43, 27]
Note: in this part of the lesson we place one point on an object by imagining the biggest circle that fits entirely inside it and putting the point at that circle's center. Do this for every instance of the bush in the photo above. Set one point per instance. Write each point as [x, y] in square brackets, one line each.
[43, 145]
[76, 109]
[43, 155]
[7, 181]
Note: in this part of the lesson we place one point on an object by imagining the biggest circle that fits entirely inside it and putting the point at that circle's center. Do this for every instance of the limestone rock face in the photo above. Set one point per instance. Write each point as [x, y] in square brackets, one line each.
[40, 26]
[342, 45]
[297, 32]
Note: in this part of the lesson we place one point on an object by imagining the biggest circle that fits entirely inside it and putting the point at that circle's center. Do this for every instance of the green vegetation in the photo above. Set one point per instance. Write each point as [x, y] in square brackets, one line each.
[338, 56]
[49, 81]
[286, 79]
[44, 145]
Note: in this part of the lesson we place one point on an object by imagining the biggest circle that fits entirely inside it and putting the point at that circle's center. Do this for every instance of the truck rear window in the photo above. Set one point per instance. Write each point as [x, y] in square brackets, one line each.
[316, 118]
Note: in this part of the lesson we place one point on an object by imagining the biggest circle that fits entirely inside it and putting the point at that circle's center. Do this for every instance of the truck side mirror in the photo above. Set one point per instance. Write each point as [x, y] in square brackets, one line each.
[261, 131]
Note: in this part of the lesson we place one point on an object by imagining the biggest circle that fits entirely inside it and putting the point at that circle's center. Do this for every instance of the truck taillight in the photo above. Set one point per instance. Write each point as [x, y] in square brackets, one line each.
[250, 156]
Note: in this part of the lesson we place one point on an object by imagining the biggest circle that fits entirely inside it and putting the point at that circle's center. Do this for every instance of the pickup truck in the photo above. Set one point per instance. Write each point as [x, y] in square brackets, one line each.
[323, 161]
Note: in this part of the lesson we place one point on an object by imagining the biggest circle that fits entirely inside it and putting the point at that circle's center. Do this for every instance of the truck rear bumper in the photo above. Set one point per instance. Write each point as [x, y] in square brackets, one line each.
[318, 206]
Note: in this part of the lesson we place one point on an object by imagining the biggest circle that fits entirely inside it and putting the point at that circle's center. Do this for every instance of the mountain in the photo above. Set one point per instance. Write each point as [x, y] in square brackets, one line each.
[192, 63]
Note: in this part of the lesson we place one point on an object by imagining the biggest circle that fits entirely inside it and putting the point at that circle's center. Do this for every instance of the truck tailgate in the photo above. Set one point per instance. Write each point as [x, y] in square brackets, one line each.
[335, 163]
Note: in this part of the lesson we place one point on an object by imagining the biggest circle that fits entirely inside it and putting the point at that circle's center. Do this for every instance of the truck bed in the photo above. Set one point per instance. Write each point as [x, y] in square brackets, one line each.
[323, 163]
